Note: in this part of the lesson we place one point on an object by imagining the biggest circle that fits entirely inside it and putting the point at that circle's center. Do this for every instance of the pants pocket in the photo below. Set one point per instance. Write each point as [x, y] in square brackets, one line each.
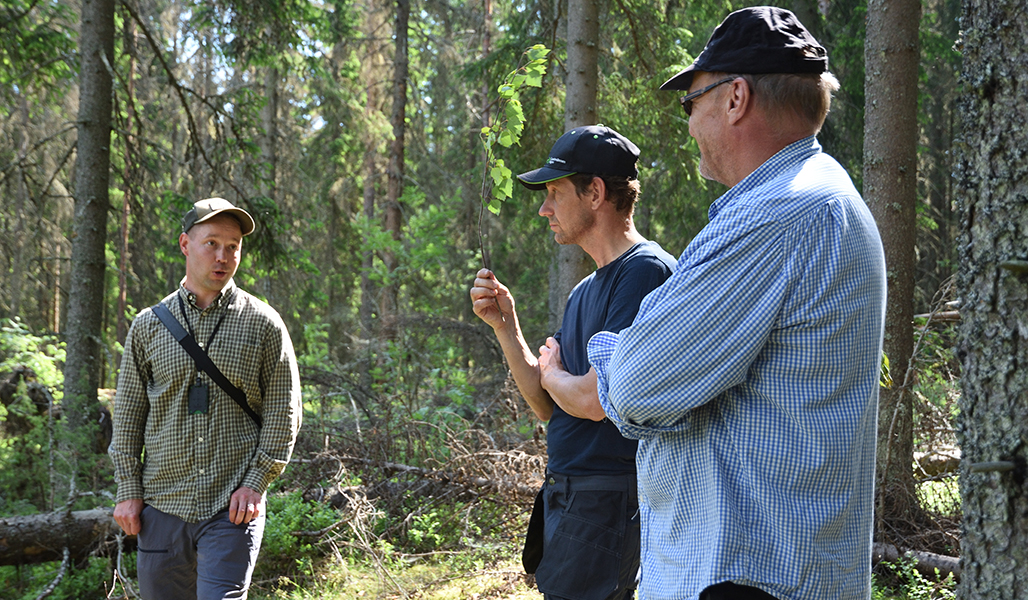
[582, 559]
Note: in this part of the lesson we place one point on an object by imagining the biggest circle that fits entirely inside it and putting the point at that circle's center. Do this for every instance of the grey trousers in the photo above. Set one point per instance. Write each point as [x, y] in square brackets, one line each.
[209, 560]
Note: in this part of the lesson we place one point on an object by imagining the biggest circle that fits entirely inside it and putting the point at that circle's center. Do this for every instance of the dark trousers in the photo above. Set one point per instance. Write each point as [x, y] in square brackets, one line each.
[732, 591]
[591, 538]
[209, 560]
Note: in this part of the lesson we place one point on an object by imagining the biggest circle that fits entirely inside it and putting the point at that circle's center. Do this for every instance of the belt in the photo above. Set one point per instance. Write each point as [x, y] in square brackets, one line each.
[594, 483]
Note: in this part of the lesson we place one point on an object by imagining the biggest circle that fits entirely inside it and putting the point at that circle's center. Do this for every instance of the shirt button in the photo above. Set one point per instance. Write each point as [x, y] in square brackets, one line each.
[202, 471]
[552, 482]
[201, 440]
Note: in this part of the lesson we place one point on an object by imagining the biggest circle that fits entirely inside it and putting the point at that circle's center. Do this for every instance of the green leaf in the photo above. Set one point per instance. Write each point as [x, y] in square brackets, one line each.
[515, 118]
[507, 139]
[537, 52]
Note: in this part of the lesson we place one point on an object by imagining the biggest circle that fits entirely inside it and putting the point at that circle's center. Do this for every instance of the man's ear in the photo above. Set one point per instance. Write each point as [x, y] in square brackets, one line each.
[597, 192]
[183, 243]
[740, 100]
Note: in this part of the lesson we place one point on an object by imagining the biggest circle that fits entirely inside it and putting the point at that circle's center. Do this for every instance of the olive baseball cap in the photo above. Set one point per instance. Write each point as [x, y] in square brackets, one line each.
[593, 149]
[756, 40]
[206, 209]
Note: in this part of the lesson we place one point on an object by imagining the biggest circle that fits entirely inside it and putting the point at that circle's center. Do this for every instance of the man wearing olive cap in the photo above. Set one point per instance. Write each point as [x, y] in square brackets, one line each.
[196, 496]
[583, 539]
[750, 378]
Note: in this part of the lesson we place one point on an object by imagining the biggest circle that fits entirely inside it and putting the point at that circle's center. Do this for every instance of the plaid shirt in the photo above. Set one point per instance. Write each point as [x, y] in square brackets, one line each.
[751, 380]
[193, 462]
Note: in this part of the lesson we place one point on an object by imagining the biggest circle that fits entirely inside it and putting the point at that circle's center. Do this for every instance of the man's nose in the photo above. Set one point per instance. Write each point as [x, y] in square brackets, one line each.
[545, 209]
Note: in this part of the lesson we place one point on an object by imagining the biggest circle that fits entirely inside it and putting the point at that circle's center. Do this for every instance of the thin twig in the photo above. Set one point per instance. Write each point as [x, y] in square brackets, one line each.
[60, 575]
[119, 570]
[180, 91]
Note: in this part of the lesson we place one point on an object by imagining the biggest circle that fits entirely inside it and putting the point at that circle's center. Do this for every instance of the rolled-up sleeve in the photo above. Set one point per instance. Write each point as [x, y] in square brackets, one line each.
[697, 335]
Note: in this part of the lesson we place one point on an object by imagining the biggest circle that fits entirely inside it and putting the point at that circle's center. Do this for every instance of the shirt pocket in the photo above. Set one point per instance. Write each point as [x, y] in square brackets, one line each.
[171, 368]
[240, 363]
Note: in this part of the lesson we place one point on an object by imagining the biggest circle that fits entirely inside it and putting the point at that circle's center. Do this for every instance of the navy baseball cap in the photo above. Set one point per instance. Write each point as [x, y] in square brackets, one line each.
[755, 40]
[593, 149]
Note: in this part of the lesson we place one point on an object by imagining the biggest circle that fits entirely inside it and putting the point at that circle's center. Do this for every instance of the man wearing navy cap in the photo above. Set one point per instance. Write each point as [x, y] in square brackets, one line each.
[583, 540]
[750, 378]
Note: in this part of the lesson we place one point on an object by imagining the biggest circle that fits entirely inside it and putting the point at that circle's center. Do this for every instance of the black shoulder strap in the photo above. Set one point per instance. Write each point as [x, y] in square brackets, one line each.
[202, 361]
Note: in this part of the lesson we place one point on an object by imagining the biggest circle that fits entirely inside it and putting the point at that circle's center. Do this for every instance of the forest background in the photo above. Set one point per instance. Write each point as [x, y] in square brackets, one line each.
[353, 133]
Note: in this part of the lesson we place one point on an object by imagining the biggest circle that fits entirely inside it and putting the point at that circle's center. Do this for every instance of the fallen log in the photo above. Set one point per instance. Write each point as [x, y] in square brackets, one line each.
[42, 538]
[927, 563]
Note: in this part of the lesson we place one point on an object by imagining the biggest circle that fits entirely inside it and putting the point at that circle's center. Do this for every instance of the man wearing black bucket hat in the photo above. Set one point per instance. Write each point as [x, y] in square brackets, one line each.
[209, 386]
[583, 540]
[750, 378]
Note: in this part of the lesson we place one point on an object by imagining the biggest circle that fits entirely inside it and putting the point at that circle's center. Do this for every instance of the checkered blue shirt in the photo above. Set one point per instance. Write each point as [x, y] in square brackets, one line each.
[751, 380]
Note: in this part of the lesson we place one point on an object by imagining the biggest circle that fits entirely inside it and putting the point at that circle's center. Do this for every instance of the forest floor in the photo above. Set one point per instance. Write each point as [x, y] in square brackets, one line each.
[427, 579]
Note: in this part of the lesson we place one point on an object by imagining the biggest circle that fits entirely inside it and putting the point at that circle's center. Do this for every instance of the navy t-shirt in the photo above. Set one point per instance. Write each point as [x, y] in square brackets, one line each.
[606, 300]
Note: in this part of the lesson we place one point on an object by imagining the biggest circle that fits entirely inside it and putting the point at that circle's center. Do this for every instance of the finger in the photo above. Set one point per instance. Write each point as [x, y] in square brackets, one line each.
[488, 284]
[485, 274]
[481, 292]
[236, 511]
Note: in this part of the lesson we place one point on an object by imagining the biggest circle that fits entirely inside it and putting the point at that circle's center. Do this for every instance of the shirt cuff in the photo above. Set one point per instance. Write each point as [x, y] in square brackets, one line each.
[600, 350]
[129, 490]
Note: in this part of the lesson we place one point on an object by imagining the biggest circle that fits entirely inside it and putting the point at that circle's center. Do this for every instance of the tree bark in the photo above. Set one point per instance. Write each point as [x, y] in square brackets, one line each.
[21, 202]
[127, 175]
[927, 563]
[393, 217]
[41, 538]
[372, 67]
[992, 178]
[92, 176]
[890, 189]
[269, 141]
[570, 263]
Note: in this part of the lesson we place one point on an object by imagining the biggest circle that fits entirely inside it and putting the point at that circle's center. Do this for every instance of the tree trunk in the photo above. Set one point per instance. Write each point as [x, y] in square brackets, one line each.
[393, 218]
[936, 249]
[22, 199]
[929, 564]
[891, 55]
[570, 263]
[993, 350]
[127, 175]
[269, 141]
[372, 68]
[92, 177]
[41, 538]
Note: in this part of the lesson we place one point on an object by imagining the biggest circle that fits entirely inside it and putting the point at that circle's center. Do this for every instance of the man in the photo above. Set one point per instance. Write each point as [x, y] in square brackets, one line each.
[196, 500]
[590, 529]
[751, 376]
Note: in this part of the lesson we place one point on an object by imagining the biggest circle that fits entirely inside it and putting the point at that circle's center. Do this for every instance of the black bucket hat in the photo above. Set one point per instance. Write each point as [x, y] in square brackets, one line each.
[756, 40]
[593, 149]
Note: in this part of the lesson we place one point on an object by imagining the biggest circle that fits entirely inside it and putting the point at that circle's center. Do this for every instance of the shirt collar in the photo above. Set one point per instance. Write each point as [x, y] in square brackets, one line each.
[782, 160]
[224, 298]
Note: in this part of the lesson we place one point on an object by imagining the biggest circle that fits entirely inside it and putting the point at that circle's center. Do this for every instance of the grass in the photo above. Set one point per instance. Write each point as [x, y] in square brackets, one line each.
[425, 578]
